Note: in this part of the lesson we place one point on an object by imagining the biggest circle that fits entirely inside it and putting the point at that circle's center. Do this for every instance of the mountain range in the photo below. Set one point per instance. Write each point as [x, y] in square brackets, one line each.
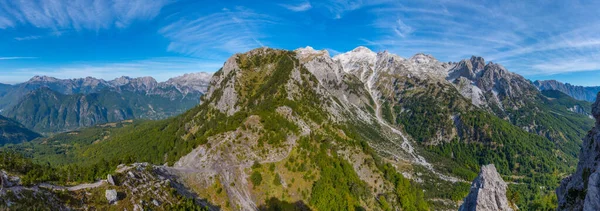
[300, 130]
[46, 104]
[577, 92]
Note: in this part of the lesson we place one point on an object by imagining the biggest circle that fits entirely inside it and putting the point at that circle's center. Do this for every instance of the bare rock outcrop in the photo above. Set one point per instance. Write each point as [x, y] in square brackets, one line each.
[581, 191]
[111, 196]
[488, 192]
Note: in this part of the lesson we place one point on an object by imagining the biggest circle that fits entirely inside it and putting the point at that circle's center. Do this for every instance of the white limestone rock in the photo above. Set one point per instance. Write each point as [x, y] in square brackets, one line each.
[488, 192]
[111, 196]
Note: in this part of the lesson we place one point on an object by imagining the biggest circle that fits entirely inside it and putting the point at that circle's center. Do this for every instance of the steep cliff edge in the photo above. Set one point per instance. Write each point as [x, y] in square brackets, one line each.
[581, 191]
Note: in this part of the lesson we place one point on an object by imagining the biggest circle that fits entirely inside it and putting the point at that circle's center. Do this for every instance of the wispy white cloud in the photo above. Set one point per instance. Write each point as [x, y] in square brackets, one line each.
[298, 7]
[160, 68]
[77, 14]
[5, 23]
[16, 57]
[528, 37]
[32, 37]
[223, 33]
[402, 29]
[338, 8]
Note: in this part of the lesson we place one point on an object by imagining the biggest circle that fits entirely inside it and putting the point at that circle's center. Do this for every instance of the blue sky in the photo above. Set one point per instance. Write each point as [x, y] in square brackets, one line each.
[165, 38]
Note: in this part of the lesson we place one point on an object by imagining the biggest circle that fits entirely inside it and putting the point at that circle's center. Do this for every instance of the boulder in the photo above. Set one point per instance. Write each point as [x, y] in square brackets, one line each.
[488, 192]
[111, 196]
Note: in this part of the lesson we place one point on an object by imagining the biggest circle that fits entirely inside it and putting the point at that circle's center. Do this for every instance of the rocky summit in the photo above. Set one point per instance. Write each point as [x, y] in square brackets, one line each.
[581, 191]
[488, 192]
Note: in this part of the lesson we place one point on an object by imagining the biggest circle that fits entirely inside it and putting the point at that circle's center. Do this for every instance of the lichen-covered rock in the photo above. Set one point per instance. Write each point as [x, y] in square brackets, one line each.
[111, 196]
[488, 192]
[580, 191]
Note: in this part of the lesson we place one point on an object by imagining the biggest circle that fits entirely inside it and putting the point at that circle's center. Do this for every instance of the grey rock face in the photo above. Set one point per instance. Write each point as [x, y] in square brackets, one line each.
[578, 109]
[488, 192]
[111, 196]
[191, 82]
[580, 191]
[228, 98]
[592, 198]
[494, 82]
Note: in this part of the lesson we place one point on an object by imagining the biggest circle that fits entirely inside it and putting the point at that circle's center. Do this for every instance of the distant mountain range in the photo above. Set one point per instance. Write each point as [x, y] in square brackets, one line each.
[578, 92]
[46, 104]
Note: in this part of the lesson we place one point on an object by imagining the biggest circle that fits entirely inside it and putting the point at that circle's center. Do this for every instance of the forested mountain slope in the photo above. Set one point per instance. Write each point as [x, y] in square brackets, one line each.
[11, 132]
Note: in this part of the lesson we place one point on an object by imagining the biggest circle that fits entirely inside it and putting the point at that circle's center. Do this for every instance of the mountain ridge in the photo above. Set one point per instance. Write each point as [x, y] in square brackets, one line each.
[88, 85]
[587, 93]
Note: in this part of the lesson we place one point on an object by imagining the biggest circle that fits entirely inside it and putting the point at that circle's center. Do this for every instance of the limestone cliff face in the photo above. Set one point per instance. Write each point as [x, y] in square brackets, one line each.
[581, 191]
[488, 192]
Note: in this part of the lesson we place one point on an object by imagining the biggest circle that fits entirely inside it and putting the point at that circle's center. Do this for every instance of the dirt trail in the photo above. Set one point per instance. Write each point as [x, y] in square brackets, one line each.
[73, 188]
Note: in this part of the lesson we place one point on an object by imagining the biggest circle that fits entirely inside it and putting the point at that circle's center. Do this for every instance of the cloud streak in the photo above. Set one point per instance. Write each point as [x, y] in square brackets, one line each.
[529, 37]
[32, 37]
[16, 58]
[298, 8]
[77, 14]
[222, 33]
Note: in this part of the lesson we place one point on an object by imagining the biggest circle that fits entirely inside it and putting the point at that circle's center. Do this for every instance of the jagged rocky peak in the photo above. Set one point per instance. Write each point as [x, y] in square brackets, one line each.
[581, 191]
[467, 68]
[422, 58]
[488, 192]
[477, 62]
[190, 82]
[310, 51]
[357, 61]
[367, 65]
[43, 78]
[141, 81]
[495, 77]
